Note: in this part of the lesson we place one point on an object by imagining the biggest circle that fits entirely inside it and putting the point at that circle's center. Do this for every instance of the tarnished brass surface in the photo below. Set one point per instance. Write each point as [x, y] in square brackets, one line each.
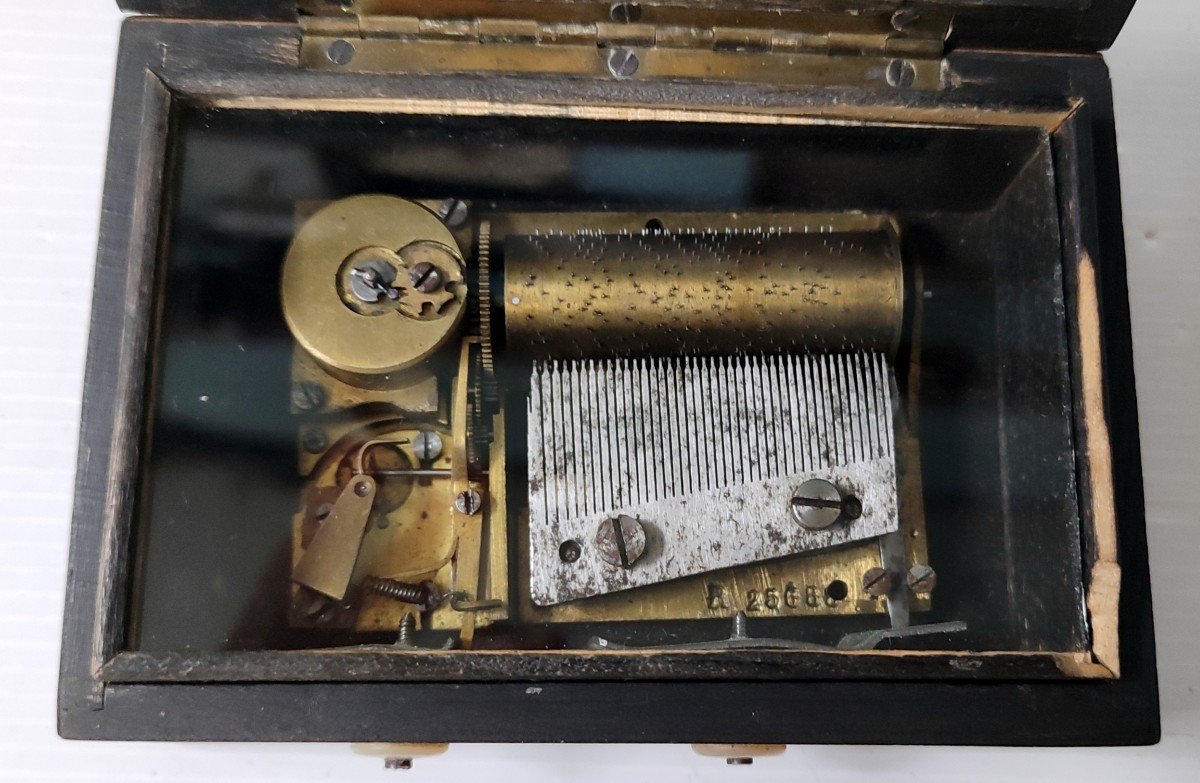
[823, 26]
[412, 392]
[797, 586]
[384, 337]
[329, 558]
[786, 68]
[669, 41]
[410, 535]
[495, 565]
[518, 223]
[715, 292]
[467, 524]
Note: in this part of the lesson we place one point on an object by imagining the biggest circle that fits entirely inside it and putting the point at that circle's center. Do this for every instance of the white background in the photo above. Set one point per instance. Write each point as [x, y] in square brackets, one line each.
[56, 65]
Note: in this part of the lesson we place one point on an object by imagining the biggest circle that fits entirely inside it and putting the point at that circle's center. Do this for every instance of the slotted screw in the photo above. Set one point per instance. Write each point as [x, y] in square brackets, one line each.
[426, 277]
[817, 504]
[877, 582]
[620, 541]
[468, 502]
[308, 396]
[622, 62]
[921, 578]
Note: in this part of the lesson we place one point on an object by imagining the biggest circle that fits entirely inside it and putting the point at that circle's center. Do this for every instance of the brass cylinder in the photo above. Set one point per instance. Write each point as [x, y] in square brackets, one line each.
[706, 293]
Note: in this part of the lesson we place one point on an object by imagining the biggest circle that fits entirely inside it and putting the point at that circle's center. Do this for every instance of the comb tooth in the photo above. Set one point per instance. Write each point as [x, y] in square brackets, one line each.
[536, 449]
[610, 436]
[578, 452]
[605, 435]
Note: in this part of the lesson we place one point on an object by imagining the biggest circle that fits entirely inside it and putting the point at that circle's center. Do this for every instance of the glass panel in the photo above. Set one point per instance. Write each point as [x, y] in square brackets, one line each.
[814, 374]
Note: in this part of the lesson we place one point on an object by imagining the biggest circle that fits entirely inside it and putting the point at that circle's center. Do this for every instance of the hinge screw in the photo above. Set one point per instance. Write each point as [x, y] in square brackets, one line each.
[622, 63]
[340, 52]
[904, 18]
[900, 73]
[625, 13]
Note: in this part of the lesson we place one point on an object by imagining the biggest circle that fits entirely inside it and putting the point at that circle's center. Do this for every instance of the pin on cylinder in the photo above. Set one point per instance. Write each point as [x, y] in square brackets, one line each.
[702, 293]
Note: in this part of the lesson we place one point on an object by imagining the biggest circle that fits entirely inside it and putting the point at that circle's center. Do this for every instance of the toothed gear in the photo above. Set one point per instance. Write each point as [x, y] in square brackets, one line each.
[485, 312]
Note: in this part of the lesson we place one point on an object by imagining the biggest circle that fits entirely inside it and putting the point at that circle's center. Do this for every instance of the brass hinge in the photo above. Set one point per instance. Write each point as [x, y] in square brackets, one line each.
[811, 49]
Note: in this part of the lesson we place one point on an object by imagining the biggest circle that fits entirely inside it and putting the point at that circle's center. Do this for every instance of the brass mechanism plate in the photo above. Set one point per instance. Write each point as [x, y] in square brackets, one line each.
[409, 535]
[806, 585]
[376, 339]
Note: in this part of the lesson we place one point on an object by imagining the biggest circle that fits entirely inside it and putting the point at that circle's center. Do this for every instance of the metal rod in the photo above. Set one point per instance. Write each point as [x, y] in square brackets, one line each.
[430, 472]
[419, 472]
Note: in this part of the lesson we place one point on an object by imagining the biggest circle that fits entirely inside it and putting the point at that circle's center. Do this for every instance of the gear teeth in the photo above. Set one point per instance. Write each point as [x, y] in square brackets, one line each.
[490, 391]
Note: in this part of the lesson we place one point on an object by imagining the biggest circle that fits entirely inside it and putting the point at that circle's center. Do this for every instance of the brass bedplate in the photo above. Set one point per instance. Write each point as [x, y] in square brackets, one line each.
[404, 389]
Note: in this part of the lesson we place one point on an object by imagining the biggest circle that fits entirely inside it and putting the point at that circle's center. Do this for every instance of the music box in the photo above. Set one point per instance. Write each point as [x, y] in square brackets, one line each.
[731, 373]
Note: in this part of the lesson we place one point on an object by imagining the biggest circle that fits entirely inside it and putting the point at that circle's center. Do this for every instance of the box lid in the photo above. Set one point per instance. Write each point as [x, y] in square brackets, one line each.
[1030, 25]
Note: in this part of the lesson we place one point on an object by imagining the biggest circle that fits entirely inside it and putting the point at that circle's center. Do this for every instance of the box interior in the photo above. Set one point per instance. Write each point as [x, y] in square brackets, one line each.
[978, 213]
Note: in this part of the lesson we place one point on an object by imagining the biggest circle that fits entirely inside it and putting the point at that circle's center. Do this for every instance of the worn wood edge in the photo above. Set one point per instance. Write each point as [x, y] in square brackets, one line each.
[1104, 587]
[843, 113]
[123, 454]
[1082, 665]
[379, 663]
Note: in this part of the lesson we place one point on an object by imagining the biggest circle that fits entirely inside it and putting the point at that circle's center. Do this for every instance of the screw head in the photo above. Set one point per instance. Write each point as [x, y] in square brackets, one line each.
[921, 578]
[372, 281]
[427, 445]
[313, 441]
[308, 396]
[426, 277]
[904, 18]
[620, 541]
[362, 488]
[816, 504]
[625, 13]
[453, 212]
[877, 582]
[317, 607]
[622, 62]
[900, 73]
[340, 52]
[468, 502]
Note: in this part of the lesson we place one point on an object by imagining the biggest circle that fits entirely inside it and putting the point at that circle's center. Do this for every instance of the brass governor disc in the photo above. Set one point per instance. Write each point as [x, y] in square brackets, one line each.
[373, 284]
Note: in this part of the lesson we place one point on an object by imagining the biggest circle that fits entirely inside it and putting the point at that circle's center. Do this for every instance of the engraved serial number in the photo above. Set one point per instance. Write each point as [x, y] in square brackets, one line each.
[770, 599]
